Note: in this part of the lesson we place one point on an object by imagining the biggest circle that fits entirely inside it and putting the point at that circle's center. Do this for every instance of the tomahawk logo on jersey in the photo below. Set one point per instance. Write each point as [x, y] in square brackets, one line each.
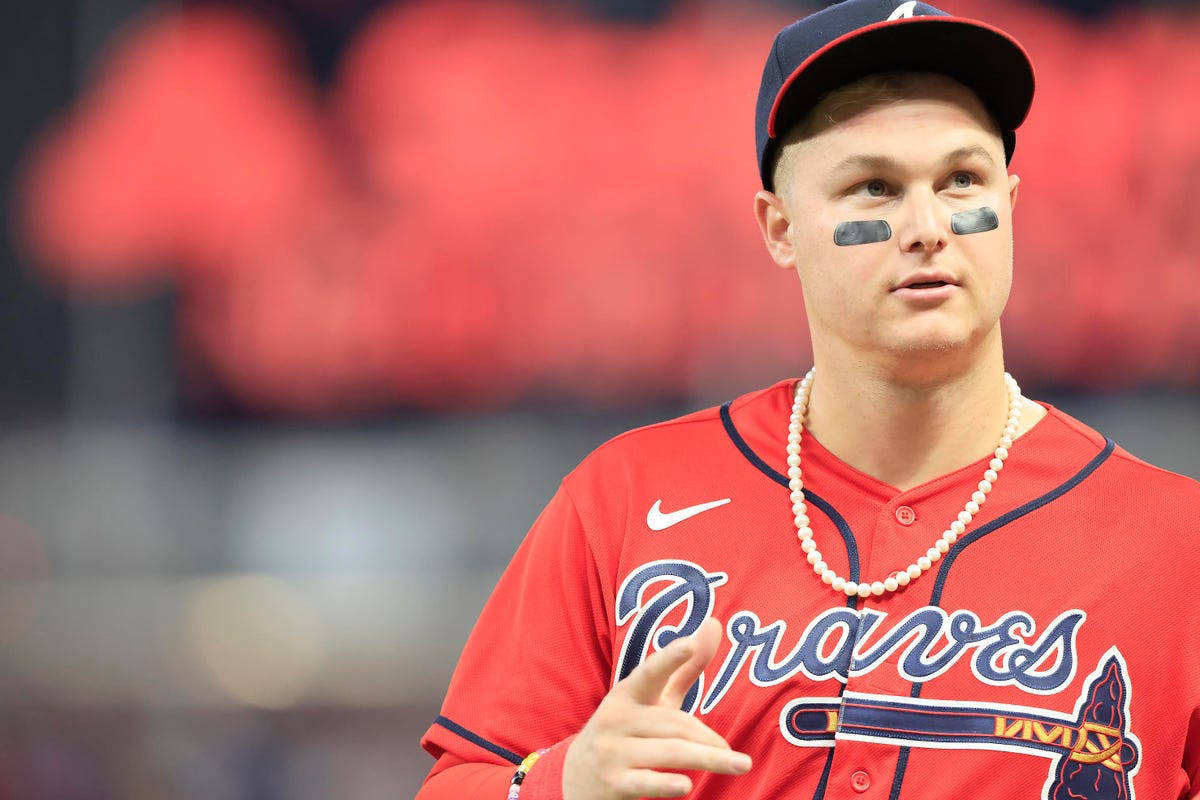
[1048, 655]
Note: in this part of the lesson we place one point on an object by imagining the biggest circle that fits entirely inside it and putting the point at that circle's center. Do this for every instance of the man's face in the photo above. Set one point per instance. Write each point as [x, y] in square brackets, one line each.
[913, 163]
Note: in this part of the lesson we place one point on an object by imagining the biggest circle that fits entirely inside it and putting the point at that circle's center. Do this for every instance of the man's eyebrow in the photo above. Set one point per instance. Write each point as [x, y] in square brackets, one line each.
[865, 161]
[871, 162]
[975, 150]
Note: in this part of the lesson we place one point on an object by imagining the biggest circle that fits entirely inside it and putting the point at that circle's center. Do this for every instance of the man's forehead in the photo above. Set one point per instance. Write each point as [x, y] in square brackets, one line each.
[869, 108]
[902, 133]
[901, 94]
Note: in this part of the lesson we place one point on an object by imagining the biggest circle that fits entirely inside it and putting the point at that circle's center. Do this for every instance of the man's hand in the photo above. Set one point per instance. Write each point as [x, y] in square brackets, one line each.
[639, 728]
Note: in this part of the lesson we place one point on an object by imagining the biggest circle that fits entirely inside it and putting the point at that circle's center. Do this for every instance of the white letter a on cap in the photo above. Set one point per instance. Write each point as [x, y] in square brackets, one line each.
[903, 10]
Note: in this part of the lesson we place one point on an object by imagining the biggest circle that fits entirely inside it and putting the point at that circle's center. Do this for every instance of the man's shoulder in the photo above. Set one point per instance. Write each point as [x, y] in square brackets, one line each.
[1141, 479]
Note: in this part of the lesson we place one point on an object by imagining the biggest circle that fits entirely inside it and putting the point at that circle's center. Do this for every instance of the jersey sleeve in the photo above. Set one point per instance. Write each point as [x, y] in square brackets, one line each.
[453, 779]
[538, 661]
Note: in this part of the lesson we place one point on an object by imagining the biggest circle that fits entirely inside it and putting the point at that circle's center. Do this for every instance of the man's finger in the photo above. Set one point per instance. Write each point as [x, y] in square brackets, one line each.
[645, 684]
[706, 640]
[648, 783]
[678, 754]
[667, 723]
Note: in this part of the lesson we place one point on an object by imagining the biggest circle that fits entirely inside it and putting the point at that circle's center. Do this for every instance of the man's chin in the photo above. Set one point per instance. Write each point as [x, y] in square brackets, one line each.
[937, 351]
[931, 344]
[924, 358]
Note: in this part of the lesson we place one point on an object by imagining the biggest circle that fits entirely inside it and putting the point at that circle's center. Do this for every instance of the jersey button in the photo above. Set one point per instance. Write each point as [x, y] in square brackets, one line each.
[860, 781]
[905, 515]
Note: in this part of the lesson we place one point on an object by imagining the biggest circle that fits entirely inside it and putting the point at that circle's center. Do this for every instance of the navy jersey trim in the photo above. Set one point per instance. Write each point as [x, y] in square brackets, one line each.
[983, 530]
[901, 767]
[821, 784]
[475, 738]
[809, 497]
[838, 520]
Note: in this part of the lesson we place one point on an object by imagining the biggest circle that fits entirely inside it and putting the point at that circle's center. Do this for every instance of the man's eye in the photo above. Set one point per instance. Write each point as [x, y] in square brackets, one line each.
[876, 188]
[963, 180]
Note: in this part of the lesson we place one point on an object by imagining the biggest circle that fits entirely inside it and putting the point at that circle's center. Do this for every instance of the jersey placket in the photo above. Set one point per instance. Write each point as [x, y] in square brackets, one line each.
[901, 530]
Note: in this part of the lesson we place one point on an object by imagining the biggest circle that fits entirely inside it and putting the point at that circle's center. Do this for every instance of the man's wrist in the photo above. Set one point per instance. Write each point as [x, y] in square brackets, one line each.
[544, 781]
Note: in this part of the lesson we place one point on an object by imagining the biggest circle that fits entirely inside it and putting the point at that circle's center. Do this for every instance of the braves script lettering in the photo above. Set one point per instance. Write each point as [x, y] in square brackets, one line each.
[842, 642]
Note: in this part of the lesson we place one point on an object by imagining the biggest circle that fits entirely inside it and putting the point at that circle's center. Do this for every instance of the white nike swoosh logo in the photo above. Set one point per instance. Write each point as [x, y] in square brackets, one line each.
[656, 520]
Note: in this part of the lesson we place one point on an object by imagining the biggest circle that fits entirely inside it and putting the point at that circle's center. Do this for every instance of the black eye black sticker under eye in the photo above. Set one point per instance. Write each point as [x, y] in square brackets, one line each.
[868, 232]
[978, 221]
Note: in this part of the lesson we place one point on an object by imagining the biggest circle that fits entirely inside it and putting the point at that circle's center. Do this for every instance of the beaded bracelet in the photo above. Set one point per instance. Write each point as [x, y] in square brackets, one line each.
[514, 790]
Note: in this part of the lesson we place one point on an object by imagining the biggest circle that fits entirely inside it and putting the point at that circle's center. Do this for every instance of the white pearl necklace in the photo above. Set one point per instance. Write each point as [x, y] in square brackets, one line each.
[941, 546]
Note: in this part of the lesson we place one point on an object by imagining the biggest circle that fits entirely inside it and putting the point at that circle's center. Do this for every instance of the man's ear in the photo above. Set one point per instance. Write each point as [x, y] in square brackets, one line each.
[775, 223]
[1013, 182]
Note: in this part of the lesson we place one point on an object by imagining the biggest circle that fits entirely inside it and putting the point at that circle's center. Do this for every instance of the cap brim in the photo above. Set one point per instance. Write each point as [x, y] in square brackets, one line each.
[983, 58]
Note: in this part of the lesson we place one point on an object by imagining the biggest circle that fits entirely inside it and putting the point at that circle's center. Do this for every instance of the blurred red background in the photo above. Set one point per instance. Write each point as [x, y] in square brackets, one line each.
[493, 202]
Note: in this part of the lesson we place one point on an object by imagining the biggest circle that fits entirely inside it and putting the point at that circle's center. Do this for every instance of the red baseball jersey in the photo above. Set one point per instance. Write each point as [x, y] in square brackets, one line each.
[1053, 652]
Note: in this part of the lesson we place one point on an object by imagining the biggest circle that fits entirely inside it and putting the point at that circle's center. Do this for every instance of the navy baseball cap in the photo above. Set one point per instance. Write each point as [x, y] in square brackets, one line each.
[857, 38]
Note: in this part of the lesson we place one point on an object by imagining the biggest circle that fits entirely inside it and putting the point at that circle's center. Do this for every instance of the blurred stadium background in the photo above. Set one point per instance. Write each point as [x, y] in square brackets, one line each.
[308, 304]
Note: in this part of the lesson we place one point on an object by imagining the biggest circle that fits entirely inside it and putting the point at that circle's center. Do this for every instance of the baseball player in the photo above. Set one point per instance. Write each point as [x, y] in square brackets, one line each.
[896, 577]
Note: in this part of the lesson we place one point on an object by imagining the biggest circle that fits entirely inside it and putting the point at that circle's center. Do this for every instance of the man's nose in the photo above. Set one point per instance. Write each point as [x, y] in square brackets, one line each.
[924, 224]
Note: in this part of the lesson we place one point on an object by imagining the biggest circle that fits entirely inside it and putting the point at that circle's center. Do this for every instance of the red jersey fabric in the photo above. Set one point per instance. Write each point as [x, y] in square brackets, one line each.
[1053, 653]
